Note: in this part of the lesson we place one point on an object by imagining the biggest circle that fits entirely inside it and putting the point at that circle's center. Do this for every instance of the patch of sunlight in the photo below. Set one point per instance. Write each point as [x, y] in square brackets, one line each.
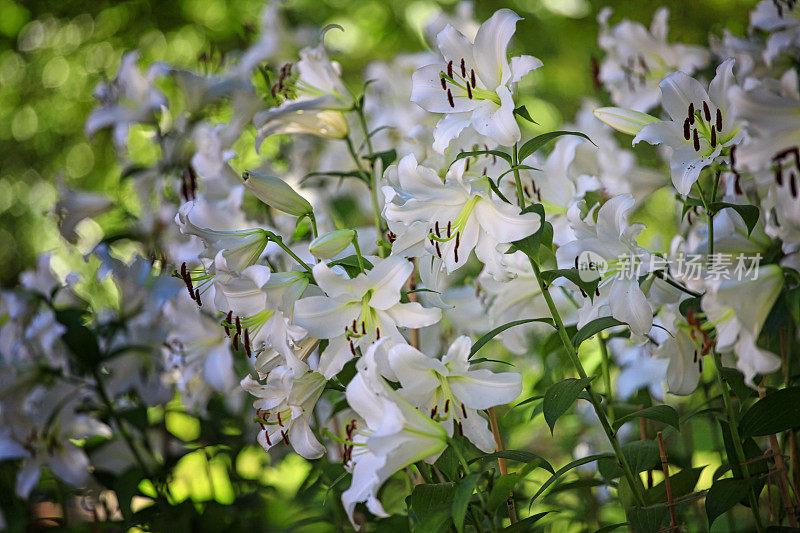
[288, 475]
[251, 462]
[182, 425]
[711, 461]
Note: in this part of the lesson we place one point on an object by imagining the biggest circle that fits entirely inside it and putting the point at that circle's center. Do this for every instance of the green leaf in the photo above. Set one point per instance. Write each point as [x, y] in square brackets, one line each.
[774, 413]
[540, 140]
[448, 463]
[338, 174]
[574, 275]
[646, 519]
[641, 455]
[559, 397]
[351, 266]
[519, 456]
[388, 157]
[496, 331]
[736, 380]
[595, 326]
[522, 112]
[498, 153]
[566, 468]
[722, 496]
[427, 499]
[523, 526]
[503, 486]
[681, 484]
[748, 212]
[660, 413]
[80, 340]
[461, 499]
[611, 527]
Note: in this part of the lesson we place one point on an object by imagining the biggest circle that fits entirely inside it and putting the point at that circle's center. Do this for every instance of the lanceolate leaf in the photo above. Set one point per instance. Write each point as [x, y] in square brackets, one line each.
[517, 455]
[560, 396]
[774, 413]
[659, 413]
[540, 140]
[566, 468]
[595, 326]
[496, 331]
[498, 153]
[461, 499]
[722, 496]
[748, 212]
[522, 112]
[574, 275]
[646, 519]
[525, 524]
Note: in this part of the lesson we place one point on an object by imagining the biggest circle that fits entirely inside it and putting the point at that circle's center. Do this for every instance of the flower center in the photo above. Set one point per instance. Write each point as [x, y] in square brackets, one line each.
[365, 325]
[450, 405]
[454, 229]
[789, 155]
[457, 83]
[704, 125]
[244, 326]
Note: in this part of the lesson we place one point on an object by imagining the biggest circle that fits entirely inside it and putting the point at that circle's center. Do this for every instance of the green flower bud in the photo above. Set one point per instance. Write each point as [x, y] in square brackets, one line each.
[328, 245]
[624, 120]
[276, 193]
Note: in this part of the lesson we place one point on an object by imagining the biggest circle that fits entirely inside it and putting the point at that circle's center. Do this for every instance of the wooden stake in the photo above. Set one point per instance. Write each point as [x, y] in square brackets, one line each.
[782, 480]
[512, 512]
[673, 519]
[643, 433]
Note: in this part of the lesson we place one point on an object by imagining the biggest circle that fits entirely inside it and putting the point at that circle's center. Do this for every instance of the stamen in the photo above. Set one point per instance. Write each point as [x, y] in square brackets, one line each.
[706, 111]
[436, 227]
[438, 251]
[238, 326]
[793, 184]
[247, 343]
[779, 176]
[236, 342]
[363, 328]
[450, 69]
[460, 429]
[352, 348]
[719, 120]
[447, 406]
[266, 434]
[377, 333]
[280, 422]
[469, 92]
[450, 98]
[463, 410]
[444, 83]
[463, 68]
[472, 77]
[284, 437]
[576, 262]
[691, 113]
[227, 321]
[687, 134]
[713, 136]
[197, 298]
[737, 186]
[696, 141]
[448, 229]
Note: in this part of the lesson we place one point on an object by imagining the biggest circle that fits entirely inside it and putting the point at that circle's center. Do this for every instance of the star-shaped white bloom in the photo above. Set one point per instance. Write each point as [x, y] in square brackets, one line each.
[473, 84]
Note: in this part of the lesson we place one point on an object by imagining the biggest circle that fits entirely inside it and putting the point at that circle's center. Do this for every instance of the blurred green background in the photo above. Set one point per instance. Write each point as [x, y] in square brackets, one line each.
[52, 54]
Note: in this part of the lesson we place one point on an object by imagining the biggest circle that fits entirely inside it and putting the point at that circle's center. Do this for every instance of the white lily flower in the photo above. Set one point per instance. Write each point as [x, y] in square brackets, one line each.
[473, 84]
[451, 392]
[738, 326]
[637, 59]
[685, 362]
[782, 21]
[396, 435]
[612, 241]
[456, 215]
[284, 408]
[314, 102]
[131, 98]
[700, 126]
[357, 312]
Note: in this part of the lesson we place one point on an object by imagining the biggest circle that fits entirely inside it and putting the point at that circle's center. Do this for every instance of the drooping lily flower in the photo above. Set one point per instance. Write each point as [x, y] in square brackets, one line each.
[354, 313]
[452, 392]
[284, 408]
[396, 435]
[611, 240]
[473, 84]
[456, 215]
[699, 127]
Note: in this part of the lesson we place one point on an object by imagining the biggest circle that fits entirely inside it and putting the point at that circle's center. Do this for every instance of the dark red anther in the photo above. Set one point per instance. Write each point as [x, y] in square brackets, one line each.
[183, 270]
[284, 437]
[695, 357]
[433, 411]
[463, 410]
[450, 98]
[266, 434]
[280, 422]
[733, 157]
[377, 333]
[363, 328]
[436, 227]
[460, 429]
[583, 293]
[696, 141]
[687, 134]
[597, 291]
[469, 92]
[779, 176]
[438, 251]
[444, 83]
[450, 69]
[463, 68]
[737, 186]
[352, 348]
[713, 136]
[447, 406]
[706, 111]
[691, 113]
[247, 343]
[472, 77]
[448, 229]
[355, 327]
[238, 326]
[719, 120]
[197, 298]
[235, 341]
[793, 185]
[455, 254]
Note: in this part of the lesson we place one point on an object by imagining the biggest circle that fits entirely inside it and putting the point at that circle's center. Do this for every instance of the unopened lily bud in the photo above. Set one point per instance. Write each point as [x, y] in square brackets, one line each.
[276, 193]
[328, 245]
[624, 120]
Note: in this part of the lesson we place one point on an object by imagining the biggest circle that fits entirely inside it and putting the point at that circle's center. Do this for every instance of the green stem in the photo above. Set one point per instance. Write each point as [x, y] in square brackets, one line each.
[606, 374]
[358, 253]
[277, 239]
[313, 220]
[517, 179]
[741, 458]
[633, 479]
[373, 184]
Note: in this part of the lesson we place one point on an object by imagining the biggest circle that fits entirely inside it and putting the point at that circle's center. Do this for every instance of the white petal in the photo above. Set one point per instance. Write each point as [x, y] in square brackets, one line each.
[70, 465]
[28, 477]
[448, 129]
[413, 315]
[387, 278]
[722, 82]
[481, 389]
[504, 222]
[458, 353]
[491, 47]
[335, 356]
[476, 429]
[497, 123]
[303, 440]
[629, 304]
[678, 91]
[323, 317]
[416, 372]
[338, 285]
[522, 65]
[427, 92]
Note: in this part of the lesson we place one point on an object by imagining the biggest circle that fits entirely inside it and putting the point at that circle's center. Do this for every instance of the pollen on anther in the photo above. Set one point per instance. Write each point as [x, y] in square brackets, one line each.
[706, 111]
[463, 68]
[450, 69]
[719, 120]
[472, 77]
[696, 141]
[444, 83]
[450, 98]
[686, 130]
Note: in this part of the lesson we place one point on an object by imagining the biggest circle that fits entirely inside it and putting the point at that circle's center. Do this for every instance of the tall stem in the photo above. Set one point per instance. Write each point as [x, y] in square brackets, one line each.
[373, 182]
[606, 374]
[277, 239]
[633, 479]
[512, 511]
[741, 458]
